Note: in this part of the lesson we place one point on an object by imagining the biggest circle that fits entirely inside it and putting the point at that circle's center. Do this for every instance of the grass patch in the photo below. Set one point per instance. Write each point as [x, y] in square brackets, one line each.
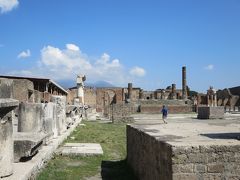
[111, 165]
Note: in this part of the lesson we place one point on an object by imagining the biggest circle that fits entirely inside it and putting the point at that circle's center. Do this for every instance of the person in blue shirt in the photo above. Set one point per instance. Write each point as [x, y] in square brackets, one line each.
[164, 114]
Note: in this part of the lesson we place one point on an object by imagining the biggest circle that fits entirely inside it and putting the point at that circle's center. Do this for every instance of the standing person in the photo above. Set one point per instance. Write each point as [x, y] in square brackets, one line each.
[164, 114]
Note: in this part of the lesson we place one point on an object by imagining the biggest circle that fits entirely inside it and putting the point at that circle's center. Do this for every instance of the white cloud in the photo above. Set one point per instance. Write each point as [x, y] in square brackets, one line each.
[72, 47]
[209, 67]
[8, 5]
[24, 54]
[137, 71]
[66, 63]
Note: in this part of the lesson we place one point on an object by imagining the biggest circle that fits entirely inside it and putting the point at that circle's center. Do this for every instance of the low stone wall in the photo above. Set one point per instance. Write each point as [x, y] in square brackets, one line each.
[206, 162]
[148, 157]
[152, 157]
[156, 109]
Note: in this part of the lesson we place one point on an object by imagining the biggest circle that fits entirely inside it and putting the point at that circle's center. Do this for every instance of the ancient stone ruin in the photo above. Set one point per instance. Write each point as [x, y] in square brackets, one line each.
[34, 121]
[37, 114]
[211, 111]
[6, 136]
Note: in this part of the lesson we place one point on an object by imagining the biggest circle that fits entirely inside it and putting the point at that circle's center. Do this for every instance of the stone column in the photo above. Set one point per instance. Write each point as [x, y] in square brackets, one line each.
[215, 100]
[211, 99]
[184, 83]
[208, 103]
[80, 88]
[163, 94]
[6, 136]
[174, 95]
[141, 94]
[130, 91]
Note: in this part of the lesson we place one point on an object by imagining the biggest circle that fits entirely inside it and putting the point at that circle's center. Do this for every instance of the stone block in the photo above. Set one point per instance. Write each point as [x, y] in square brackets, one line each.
[6, 139]
[200, 168]
[185, 176]
[60, 102]
[215, 168]
[207, 112]
[27, 144]
[49, 119]
[30, 117]
[81, 149]
[6, 88]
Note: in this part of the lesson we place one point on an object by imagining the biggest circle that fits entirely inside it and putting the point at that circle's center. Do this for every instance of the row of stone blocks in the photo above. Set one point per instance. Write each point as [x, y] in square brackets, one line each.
[154, 159]
[37, 124]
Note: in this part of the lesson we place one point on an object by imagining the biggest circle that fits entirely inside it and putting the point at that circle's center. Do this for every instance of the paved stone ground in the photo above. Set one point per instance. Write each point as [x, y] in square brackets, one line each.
[186, 129]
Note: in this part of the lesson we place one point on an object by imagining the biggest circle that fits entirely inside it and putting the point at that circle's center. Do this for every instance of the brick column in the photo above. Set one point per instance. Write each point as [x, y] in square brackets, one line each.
[129, 91]
[184, 83]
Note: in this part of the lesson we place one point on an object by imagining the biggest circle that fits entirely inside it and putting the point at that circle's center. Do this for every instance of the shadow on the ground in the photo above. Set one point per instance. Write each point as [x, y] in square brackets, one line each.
[223, 136]
[116, 170]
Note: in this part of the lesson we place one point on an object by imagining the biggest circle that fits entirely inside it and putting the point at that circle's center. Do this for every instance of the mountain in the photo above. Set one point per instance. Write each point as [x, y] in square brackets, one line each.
[72, 83]
[66, 83]
[101, 84]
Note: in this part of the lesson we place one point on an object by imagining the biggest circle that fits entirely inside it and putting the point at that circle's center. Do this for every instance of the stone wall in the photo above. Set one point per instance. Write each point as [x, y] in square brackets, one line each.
[72, 93]
[148, 157]
[90, 97]
[154, 109]
[104, 97]
[121, 112]
[23, 90]
[152, 158]
[206, 162]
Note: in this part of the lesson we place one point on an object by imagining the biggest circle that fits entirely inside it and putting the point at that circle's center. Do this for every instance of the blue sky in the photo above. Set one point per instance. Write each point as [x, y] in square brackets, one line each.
[141, 41]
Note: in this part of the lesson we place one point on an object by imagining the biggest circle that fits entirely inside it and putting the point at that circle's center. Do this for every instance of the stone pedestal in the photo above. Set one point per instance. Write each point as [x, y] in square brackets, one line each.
[60, 102]
[6, 139]
[210, 112]
[30, 117]
[49, 119]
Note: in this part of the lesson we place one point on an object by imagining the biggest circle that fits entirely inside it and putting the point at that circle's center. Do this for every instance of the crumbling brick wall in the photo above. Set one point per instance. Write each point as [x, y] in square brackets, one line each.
[101, 99]
[122, 112]
[90, 97]
[155, 109]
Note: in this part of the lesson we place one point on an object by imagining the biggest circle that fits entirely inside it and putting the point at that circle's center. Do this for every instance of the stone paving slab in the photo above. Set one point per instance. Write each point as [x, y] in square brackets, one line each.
[82, 149]
[189, 131]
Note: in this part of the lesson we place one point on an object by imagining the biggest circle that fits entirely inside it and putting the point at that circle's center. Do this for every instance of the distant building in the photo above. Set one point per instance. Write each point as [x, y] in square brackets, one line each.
[29, 89]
